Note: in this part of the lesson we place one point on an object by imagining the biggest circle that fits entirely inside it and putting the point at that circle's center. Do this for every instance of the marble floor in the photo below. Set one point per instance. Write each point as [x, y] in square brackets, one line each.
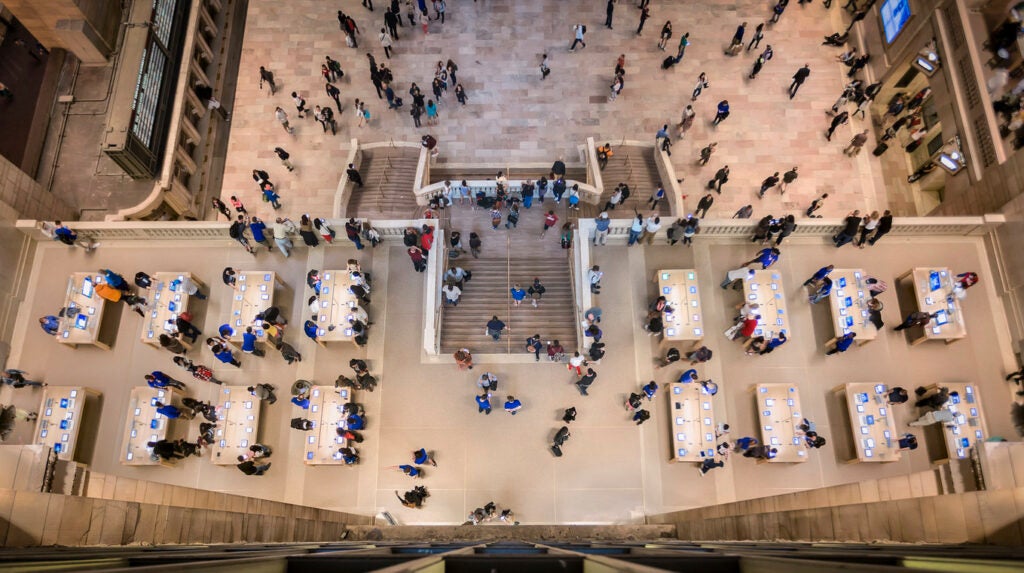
[514, 117]
[612, 470]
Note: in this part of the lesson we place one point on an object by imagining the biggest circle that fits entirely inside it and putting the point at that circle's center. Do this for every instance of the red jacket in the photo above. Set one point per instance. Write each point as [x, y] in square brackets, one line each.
[550, 219]
[426, 241]
[749, 326]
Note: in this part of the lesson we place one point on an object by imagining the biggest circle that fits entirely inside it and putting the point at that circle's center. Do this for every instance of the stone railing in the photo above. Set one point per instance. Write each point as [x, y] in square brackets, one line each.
[389, 229]
[814, 227]
[436, 264]
[593, 173]
[588, 193]
[673, 190]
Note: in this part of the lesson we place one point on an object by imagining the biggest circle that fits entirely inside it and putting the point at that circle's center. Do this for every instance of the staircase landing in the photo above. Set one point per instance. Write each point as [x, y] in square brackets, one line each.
[389, 174]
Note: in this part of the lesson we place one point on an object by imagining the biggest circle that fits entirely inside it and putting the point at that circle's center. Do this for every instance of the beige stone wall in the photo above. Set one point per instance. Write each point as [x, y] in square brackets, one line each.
[121, 511]
[28, 198]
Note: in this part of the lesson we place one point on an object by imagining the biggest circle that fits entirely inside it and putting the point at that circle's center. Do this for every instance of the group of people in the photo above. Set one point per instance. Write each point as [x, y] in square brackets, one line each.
[356, 320]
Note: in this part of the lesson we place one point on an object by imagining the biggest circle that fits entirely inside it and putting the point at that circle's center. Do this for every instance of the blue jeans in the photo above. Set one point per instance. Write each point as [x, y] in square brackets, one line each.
[355, 239]
[633, 237]
[284, 245]
[528, 201]
[495, 334]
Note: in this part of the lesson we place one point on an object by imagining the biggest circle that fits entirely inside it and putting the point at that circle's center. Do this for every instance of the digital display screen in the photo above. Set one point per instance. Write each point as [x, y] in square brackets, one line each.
[895, 14]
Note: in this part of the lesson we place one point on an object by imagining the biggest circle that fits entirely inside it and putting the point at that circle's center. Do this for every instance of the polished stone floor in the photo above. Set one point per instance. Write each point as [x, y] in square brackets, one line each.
[514, 117]
[612, 471]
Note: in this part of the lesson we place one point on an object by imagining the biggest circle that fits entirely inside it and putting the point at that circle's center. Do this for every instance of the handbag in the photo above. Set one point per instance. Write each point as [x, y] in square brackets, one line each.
[733, 330]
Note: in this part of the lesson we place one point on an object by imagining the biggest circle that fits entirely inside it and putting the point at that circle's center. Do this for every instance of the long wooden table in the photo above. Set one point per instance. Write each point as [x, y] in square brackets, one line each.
[872, 421]
[335, 307]
[168, 301]
[968, 427]
[766, 290]
[254, 293]
[60, 418]
[83, 327]
[238, 423]
[778, 408]
[693, 423]
[323, 441]
[933, 292]
[849, 304]
[679, 287]
[143, 424]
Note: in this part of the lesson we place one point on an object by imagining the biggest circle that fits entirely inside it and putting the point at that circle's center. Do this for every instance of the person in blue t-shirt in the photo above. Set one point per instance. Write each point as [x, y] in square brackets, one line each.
[534, 345]
[650, 389]
[223, 353]
[158, 379]
[745, 443]
[258, 229]
[688, 376]
[767, 257]
[518, 294]
[355, 422]
[819, 275]
[309, 327]
[50, 324]
[824, 289]
[249, 340]
[411, 471]
[421, 456]
[169, 411]
[301, 401]
[842, 343]
[349, 455]
[483, 403]
[512, 405]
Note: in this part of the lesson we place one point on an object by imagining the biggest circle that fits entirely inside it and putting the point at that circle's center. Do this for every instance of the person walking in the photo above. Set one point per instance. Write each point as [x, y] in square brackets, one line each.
[579, 30]
[838, 120]
[666, 34]
[856, 144]
[495, 327]
[721, 178]
[282, 118]
[788, 226]
[758, 36]
[550, 219]
[284, 156]
[584, 382]
[645, 13]
[353, 175]
[702, 83]
[787, 178]
[737, 40]
[705, 153]
[268, 77]
[684, 41]
[385, 42]
[722, 112]
[704, 204]
[758, 64]
[767, 184]
[816, 205]
[609, 12]
[334, 93]
[545, 69]
[798, 80]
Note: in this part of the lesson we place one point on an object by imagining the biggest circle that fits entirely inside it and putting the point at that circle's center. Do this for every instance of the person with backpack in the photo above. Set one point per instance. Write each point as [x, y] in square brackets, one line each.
[237, 232]
[579, 30]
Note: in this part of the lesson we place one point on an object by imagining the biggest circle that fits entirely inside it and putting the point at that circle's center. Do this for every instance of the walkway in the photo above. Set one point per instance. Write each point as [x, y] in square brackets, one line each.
[512, 116]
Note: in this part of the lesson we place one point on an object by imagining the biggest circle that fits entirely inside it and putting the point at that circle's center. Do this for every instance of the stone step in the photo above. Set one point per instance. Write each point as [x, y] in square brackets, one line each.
[498, 530]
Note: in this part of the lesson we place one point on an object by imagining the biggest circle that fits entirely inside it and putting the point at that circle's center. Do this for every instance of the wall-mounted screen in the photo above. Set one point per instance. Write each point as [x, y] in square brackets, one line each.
[895, 14]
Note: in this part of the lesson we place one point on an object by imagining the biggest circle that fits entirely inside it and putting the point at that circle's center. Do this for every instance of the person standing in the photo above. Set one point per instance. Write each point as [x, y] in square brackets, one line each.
[850, 226]
[609, 11]
[841, 344]
[684, 41]
[884, 226]
[392, 20]
[544, 67]
[237, 232]
[352, 231]
[758, 64]
[868, 227]
[282, 228]
[856, 143]
[334, 93]
[601, 226]
[584, 382]
[220, 206]
[722, 111]
[788, 226]
[798, 79]
[353, 175]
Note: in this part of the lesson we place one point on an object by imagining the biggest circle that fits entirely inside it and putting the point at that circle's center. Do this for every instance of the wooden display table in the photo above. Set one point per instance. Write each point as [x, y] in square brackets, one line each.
[766, 290]
[335, 307]
[849, 305]
[323, 441]
[168, 301]
[693, 423]
[83, 327]
[872, 421]
[60, 418]
[968, 427]
[933, 293]
[679, 287]
[238, 423]
[778, 408]
[144, 425]
[254, 293]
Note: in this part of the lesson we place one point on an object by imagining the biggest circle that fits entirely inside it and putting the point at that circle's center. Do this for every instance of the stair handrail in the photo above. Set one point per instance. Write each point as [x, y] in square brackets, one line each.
[579, 260]
[508, 290]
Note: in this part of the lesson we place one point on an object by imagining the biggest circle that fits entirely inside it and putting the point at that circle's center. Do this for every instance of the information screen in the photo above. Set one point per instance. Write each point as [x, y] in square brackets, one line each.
[895, 14]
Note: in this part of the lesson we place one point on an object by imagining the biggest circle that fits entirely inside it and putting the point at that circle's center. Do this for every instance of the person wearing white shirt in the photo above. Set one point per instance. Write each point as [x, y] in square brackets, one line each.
[456, 275]
[594, 276]
[651, 228]
[451, 293]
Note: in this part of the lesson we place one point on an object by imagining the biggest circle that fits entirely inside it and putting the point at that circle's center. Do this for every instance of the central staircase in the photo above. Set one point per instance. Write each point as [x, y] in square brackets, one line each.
[509, 257]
